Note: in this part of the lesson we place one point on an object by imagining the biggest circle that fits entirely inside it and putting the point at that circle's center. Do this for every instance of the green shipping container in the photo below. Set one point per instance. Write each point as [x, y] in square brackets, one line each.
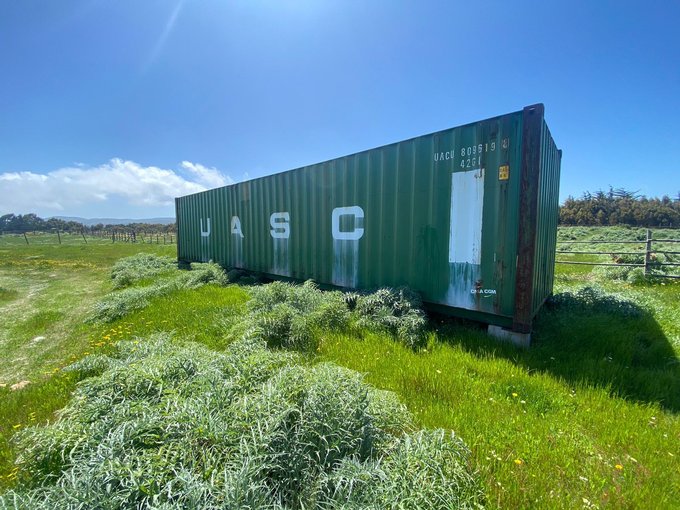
[466, 216]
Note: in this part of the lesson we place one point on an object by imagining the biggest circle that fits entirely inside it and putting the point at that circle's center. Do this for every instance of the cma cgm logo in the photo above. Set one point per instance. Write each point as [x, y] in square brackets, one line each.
[280, 227]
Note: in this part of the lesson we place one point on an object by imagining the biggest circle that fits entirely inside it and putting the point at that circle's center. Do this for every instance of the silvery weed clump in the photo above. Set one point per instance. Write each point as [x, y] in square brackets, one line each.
[397, 311]
[289, 315]
[158, 424]
[594, 299]
[285, 315]
[119, 303]
[129, 270]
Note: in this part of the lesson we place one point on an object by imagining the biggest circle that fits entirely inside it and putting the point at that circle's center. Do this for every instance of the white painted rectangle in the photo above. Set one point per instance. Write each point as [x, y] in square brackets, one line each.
[467, 203]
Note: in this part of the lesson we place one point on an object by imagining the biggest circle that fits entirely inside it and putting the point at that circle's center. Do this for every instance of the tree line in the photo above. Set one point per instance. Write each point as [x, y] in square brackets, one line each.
[620, 207]
[33, 223]
[613, 207]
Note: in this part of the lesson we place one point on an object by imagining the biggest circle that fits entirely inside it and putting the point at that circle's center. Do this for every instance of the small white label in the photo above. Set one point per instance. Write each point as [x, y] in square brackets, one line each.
[483, 291]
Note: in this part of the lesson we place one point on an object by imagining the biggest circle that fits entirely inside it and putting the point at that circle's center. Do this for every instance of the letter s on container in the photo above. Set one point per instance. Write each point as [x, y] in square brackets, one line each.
[352, 235]
[280, 223]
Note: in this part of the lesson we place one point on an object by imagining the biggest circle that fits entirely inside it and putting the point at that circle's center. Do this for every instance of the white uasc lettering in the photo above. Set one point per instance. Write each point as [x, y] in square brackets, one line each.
[236, 226]
[280, 223]
[350, 235]
[205, 233]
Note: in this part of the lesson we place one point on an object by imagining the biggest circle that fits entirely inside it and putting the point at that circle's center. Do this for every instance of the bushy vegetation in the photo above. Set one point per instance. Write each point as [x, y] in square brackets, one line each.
[595, 300]
[138, 267]
[33, 223]
[288, 315]
[284, 314]
[620, 207]
[291, 316]
[129, 270]
[396, 311]
[161, 425]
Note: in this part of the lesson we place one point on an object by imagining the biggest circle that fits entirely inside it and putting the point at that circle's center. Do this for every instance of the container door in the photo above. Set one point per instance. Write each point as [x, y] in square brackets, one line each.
[465, 237]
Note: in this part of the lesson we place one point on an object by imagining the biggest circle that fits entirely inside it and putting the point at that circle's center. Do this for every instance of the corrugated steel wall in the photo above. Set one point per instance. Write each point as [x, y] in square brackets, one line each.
[548, 217]
[438, 213]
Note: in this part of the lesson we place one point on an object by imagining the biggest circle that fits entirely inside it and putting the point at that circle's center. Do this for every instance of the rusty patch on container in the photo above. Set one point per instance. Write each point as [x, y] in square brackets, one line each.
[528, 213]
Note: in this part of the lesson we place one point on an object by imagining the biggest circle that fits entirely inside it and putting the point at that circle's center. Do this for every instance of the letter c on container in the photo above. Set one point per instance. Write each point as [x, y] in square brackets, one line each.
[353, 235]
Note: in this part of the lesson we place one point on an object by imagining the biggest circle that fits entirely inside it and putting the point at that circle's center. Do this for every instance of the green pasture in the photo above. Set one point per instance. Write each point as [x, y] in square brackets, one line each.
[585, 418]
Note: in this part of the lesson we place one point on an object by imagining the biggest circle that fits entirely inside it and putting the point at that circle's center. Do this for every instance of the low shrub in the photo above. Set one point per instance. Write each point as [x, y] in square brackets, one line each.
[202, 274]
[119, 303]
[129, 270]
[612, 272]
[288, 315]
[166, 425]
[233, 275]
[397, 311]
[424, 470]
[595, 300]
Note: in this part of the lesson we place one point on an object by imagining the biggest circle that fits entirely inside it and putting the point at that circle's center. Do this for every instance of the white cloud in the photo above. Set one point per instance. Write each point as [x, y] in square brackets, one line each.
[119, 182]
[210, 177]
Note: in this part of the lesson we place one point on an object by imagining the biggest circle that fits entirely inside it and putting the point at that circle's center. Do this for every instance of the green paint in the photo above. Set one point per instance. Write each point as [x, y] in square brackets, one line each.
[382, 217]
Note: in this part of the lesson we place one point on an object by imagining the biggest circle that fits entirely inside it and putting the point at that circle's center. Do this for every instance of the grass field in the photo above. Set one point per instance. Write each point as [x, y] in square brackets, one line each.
[588, 417]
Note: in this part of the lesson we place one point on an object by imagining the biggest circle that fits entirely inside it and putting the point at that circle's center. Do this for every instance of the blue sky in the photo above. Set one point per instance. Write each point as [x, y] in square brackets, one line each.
[112, 108]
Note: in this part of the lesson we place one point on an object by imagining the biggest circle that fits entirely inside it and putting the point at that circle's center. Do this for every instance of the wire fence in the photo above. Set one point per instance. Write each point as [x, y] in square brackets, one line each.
[132, 236]
[85, 237]
[651, 262]
[654, 256]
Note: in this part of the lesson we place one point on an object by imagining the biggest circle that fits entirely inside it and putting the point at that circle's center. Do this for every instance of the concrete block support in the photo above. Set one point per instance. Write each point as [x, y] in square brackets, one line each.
[519, 339]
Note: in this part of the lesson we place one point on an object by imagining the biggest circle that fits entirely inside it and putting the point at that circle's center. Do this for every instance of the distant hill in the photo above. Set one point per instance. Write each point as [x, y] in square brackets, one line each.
[88, 222]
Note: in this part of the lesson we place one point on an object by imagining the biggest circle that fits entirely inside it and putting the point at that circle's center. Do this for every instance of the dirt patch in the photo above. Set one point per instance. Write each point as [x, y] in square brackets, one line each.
[20, 385]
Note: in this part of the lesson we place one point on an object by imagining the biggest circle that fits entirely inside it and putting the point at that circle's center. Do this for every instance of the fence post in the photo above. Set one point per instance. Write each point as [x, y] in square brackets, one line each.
[58, 236]
[26, 238]
[648, 251]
